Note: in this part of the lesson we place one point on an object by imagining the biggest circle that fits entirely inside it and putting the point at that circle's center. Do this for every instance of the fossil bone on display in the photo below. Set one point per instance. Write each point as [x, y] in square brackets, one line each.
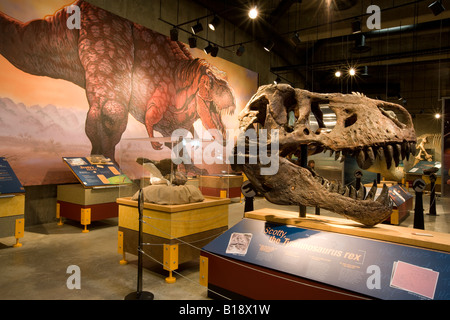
[378, 134]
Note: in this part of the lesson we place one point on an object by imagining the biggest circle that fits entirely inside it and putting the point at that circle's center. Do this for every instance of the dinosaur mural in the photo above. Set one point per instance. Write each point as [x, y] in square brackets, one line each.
[124, 68]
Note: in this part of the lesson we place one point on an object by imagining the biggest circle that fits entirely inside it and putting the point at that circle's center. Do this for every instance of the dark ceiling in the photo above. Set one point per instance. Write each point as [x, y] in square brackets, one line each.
[411, 41]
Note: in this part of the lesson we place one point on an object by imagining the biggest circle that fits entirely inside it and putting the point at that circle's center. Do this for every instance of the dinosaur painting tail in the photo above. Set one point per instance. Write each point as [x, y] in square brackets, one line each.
[45, 47]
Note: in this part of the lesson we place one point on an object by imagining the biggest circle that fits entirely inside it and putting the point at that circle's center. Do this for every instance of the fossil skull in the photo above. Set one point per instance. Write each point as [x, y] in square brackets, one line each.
[377, 133]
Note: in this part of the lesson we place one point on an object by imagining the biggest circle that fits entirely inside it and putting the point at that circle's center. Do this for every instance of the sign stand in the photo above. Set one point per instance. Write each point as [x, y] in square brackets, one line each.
[419, 186]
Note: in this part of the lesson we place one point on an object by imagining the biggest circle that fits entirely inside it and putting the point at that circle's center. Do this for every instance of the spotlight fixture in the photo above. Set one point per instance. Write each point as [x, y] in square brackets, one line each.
[240, 51]
[192, 42]
[337, 74]
[208, 48]
[174, 34]
[197, 28]
[268, 45]
[437, 7]
[437, 115]
[351, 71]
[214, 23]
[295, 39]
[253, 13]
[214, 51]
[360, 44]
[356, 26]
[366, 71]
[277, 80]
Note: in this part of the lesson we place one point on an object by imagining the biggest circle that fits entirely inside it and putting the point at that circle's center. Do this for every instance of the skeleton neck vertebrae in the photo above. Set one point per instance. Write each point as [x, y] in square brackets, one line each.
[377, 134]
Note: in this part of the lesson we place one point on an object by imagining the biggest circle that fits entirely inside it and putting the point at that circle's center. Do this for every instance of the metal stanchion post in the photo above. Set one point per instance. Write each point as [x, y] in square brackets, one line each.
[139, 294]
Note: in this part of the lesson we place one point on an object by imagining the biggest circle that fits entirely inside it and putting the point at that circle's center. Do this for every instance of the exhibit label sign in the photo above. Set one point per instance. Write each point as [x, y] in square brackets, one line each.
[8, 179]
[374, 268]
[96, 171]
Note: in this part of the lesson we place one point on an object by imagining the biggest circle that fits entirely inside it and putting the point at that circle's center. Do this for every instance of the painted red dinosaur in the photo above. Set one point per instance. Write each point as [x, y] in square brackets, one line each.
[124, 68]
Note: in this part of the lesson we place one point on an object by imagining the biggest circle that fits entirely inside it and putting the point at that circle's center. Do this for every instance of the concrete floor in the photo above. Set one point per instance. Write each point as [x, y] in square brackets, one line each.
[38, 269]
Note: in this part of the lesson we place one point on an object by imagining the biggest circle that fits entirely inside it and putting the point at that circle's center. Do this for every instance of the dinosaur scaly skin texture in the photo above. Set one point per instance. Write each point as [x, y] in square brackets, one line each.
[124, 68]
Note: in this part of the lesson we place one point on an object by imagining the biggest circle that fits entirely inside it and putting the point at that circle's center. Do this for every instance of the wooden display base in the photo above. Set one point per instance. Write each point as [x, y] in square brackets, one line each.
[215, 186]
[407, 236]
[191, 226]
[273, 268]
[239, 281]
[85, 205]
[12, 221]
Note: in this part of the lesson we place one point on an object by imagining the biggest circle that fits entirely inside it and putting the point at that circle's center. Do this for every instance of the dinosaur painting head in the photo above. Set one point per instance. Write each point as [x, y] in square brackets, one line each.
[215, 98]
[376, 133]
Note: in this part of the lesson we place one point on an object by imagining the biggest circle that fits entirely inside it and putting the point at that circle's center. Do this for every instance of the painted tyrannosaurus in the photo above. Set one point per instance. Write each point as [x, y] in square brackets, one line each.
[124, 68]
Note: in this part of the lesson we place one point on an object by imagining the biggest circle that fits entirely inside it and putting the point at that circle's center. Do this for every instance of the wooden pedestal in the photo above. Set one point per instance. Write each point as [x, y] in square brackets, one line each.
[214, 185]
[77, 203]
[316, 257]
[12, 221]
[191, 226]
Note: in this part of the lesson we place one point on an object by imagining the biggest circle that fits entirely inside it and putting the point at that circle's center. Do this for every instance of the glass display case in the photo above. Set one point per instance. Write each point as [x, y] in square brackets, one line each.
[186, 185]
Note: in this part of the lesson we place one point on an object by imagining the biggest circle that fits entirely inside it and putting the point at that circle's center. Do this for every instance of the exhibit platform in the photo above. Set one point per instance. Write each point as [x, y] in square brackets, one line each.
[274, 254]
[85, 205]
[177, 226]
[12, 216]
[224, 186]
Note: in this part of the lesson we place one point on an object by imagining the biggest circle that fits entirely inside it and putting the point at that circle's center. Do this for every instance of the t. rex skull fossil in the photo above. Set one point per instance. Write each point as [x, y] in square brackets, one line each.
[376, 133]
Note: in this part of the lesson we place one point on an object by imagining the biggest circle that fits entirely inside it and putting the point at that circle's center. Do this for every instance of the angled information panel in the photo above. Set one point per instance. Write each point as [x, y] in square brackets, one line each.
[8, 180]
[96, 171]
[374, 268]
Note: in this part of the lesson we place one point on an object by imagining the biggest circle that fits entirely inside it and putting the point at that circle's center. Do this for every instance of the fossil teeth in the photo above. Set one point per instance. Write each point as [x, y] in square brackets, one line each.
[407, 150]
[384, 196]
[360, 158]
[380, 153]
[341, 188]
[372, 191]
[370, 155]
[397, 154]
[337, 155]
[352, 192]
[388, 154]
[412, 146]
[361, 193]
[403, 150]
[346, 192]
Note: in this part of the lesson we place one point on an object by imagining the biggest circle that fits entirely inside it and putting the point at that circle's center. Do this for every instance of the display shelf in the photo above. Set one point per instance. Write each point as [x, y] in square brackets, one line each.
[326, 258]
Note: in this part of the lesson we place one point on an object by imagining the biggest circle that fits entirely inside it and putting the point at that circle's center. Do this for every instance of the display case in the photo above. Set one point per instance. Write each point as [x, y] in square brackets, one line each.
[183, 210]
[12, 203]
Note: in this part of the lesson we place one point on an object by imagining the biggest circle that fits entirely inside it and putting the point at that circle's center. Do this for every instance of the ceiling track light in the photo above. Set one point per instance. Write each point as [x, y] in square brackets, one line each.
[356, 26]
[214, 23]
[192, 42]
[240, 51]
[268, 45]
[174, 34]
[197, 28]
[437, 7]
[208, 48]
[253, 13]
[295, 39]
[214, 51]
